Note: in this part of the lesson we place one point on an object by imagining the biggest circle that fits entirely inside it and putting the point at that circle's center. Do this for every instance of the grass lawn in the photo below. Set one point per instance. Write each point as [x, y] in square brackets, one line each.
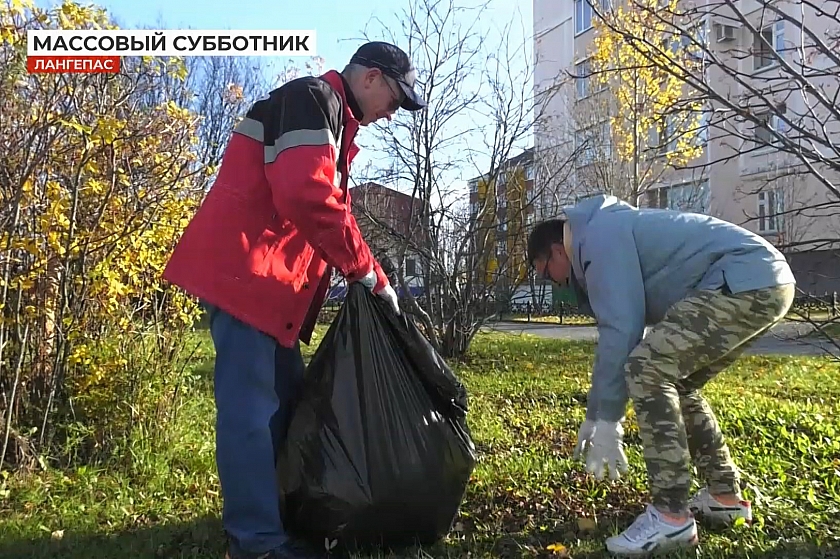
[781, 415]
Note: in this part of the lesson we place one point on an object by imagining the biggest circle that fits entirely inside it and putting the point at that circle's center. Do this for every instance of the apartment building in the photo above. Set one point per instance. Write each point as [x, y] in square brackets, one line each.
[732, 179]
[502, 211]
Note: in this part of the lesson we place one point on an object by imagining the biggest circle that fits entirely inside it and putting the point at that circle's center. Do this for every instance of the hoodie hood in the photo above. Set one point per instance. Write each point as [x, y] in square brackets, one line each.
[580, 215]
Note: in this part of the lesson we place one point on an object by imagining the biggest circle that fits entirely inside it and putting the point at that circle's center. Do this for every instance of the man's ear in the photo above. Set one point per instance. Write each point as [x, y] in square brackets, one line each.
[372, 75]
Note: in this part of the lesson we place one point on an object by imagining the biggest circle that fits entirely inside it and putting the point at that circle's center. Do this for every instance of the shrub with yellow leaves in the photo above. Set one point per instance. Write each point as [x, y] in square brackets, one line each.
[100, 177]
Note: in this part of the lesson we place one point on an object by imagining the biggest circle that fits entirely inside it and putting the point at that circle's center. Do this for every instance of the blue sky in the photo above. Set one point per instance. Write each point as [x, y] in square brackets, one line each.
[339, 24]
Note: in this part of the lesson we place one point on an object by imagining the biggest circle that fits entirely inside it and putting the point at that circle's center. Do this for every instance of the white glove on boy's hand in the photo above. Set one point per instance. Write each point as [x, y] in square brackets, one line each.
[606, 450]
[584, 439]
[386, 292]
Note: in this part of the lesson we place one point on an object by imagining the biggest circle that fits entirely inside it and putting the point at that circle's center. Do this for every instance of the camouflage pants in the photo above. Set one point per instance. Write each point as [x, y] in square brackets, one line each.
[699, 337]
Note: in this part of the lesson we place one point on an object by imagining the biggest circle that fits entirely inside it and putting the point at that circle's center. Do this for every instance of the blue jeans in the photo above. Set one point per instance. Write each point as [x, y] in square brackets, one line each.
[257, 382]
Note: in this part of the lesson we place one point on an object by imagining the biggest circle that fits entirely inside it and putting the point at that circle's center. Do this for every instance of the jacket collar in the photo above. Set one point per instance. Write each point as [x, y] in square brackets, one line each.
[352, 102]
[352, 111]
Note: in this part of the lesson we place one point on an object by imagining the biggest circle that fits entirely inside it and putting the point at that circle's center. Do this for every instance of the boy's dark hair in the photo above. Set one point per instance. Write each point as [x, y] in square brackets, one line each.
[544, 234]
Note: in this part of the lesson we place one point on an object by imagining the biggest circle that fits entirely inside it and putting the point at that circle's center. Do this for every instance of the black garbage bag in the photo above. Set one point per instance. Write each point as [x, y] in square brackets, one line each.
[378, 453]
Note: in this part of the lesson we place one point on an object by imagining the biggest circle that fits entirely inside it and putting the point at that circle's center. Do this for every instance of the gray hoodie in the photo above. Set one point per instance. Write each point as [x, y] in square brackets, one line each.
[629, 265]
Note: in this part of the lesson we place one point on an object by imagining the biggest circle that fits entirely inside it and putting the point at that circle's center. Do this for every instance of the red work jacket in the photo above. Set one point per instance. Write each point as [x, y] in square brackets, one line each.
[277, 220]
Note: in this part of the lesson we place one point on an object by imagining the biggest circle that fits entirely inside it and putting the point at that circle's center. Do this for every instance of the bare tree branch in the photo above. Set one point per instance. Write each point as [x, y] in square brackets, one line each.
[479, 118]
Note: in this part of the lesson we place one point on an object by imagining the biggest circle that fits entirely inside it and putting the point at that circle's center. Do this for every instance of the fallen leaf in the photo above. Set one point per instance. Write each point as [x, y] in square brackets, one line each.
[586, 524]
[558, 549]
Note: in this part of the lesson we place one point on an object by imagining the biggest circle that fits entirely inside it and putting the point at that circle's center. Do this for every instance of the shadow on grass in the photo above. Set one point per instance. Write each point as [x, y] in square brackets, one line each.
[205, 371]
[204, 538]
[199, 538]
[592, 547]
[780, 551]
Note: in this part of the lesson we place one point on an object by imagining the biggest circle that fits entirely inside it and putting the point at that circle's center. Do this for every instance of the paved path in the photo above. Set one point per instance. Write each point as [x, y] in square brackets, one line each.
[785, 339]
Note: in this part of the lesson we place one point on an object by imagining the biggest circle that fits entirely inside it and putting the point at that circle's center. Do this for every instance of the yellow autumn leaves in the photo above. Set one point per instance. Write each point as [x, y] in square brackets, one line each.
[652, 108]
[101, 174]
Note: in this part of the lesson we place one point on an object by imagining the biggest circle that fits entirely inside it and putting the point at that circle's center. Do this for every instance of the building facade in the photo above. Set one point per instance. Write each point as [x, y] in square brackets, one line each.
[502, 212]
[736, 176]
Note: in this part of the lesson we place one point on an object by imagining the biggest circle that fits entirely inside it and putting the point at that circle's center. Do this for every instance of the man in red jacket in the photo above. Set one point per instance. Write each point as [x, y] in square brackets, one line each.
[259, 254]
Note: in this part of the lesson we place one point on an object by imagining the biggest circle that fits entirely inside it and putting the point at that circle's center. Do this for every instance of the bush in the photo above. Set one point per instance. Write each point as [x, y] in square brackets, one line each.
[100, 176]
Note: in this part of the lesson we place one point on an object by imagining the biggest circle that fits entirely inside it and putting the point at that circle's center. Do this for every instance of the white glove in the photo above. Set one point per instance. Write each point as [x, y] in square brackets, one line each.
[386, 292]
[604, 449]
[584, 440]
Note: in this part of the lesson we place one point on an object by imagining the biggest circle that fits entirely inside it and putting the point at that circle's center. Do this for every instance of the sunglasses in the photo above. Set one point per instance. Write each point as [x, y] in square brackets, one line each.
[387, 75]
[397, 97]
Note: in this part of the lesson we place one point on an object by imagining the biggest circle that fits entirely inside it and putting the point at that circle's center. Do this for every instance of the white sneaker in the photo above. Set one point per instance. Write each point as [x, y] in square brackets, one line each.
[703, 504]
[650, 534]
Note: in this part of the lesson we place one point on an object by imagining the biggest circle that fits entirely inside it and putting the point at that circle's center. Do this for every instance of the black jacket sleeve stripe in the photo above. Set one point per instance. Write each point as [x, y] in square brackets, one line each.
[305, 111]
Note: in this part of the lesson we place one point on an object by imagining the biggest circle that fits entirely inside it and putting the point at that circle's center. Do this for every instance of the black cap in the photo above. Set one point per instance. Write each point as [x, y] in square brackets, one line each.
[393, 62]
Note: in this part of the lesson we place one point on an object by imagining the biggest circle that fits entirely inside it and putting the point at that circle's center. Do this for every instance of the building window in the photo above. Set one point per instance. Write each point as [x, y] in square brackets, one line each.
[410, 267]
[501, 249]
[770, 205]
[473, 184]
[582, 71]
[763, 132]
[583, 16]
[671, 133]
[770, 128]
[663, 135]
[703, 128]
[584, 149]
[584, 13]
[686, 197]
[593, 144]
[605, 140]
[529, 173]
[771, 38]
